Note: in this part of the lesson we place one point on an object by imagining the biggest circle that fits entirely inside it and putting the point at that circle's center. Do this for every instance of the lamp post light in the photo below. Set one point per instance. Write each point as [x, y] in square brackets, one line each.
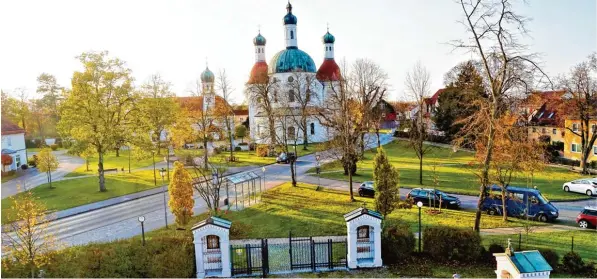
[141, 220]
[163, 173]
[419, 205]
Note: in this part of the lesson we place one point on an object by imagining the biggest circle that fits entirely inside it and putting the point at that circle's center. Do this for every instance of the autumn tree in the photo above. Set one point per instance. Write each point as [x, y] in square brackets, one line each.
[263, 93]
[418, 85]
[223, 110]
[27, 242]
[47, 162]
[6, 161]
[100, 108]
[240, 131]
[581, 84]
[494, 30]
[302, 96]
[181, 194]
[385, 177]
[50, 92]
[158, 109]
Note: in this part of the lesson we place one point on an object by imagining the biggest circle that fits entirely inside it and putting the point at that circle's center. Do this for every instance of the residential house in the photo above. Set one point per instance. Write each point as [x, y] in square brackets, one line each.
[543, 112]
[430, 106]
[388, 115]
[13, 144]
[573, 143]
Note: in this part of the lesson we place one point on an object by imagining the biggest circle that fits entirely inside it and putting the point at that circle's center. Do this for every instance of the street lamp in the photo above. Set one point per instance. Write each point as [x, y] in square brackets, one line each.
[141, 220]
[419, 205]
[163, 173]
[318, 168]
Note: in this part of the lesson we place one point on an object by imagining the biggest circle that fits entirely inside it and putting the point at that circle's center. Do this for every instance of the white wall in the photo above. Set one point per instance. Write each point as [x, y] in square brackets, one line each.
[16, 143]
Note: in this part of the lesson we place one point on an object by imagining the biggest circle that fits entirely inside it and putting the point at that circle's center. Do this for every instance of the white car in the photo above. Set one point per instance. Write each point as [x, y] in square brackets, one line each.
[586, 186]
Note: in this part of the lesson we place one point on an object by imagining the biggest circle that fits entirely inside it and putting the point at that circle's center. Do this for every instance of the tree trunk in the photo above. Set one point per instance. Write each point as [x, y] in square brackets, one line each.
[100, 170]
[118, 152]
[350, 185]
[421, 168]
[504, 208]
[159, 145]
[155, 180]
[292, 174]
[205, 152]
[583, 163]
[305, 140]
[50, 178]
[362, 145]
[485, 174]
[378, 140]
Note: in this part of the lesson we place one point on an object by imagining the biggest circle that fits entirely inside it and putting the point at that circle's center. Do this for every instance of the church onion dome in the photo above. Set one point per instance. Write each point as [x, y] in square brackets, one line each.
[207, 75]
[328, 38]
[259, 40]
[328, 71]
[291, 60]
[259, 73]
[289, 18]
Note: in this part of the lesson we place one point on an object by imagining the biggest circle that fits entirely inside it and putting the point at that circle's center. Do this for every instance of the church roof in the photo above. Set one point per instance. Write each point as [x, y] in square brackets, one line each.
[362, 211]
[291, 60]
[530, 261]
[328, 71]
[259, 73]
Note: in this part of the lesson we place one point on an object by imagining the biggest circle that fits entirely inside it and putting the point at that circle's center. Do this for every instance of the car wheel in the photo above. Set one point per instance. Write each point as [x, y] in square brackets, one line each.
[491, 211]
[542, 218]
[566, 189]
[360, 194]
[583, 224]
[589, 193]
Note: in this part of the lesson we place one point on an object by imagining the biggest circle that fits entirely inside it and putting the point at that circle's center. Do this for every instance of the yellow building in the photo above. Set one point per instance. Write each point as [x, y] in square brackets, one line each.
[555, 133]
[573, 143]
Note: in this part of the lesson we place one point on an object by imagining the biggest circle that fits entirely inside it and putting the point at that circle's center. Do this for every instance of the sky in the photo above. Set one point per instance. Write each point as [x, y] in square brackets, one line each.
[176, 38]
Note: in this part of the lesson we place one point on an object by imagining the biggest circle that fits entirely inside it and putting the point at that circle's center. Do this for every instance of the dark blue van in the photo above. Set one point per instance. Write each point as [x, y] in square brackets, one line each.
[518, 199]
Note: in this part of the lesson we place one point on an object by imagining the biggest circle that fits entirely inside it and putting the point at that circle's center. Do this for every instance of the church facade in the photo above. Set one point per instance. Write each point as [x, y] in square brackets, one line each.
[294, 87]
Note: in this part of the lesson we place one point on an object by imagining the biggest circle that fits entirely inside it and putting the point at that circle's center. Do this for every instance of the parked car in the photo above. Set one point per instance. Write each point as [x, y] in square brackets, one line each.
[366, 189]
[520, 202]
[587, 217]
[285, 158]
[586, 186]
[433, 197]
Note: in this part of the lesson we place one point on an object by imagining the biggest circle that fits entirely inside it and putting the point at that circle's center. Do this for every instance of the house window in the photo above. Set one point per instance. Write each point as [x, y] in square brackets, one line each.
[575, 147]
[18, 160]
[363, 233]
[291, 95]
[291, 35]
[275, 96]
[213, 242]
[312, 128]
[291, 133]
[595, 150]
[554, 131]
[575, 127]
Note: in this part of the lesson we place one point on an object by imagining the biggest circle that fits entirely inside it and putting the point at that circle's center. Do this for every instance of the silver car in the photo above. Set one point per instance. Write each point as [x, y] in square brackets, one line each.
[587, 186]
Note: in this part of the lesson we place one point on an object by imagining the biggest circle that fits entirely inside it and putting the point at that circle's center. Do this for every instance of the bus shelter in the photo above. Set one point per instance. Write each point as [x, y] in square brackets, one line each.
[247, 189]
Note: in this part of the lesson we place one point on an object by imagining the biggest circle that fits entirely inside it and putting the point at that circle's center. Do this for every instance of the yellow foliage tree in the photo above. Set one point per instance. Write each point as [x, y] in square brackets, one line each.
[47, 162]
[27, 243]
[181, 194]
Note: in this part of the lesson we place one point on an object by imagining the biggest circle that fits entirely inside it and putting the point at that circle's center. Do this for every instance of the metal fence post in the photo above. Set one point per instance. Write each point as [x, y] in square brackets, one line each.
[346, 252]
[330, 264]
[572, 247]
[312, 253]
[248, 254]
[290, 247]
[519, 241]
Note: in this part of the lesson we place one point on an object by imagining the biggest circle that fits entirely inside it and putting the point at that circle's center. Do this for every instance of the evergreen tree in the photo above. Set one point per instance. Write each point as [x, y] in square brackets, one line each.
[386, 178]
[181, 194]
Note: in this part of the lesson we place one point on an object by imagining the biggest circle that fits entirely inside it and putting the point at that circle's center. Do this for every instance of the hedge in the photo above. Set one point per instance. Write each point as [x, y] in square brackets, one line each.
[447, 243]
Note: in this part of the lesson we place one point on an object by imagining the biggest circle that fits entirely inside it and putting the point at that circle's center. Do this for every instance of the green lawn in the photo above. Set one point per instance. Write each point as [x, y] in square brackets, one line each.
[111, 161]
[453, 171]
[75, 192]
[37, 149]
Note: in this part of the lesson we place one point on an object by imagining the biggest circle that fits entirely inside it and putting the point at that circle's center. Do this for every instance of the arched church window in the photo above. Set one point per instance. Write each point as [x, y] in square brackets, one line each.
[291, 95]
[312, 128]
[308, 95]
[275, 96]
[291, 35]
[291, 133]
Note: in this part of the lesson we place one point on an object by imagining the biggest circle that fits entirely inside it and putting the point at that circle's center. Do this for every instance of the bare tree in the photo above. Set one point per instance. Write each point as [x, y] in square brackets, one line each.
[302, 87]
[581, 84]
[263, 92]
[209, 181]
[285, 130]
[493, 31]
[225, 112]
[418, 87]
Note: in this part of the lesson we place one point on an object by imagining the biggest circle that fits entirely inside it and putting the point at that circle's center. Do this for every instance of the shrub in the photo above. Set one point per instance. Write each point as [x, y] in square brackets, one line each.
[495, 248]
[444, 243]
[593, 164]
[54, 147]
[261, 151]
[405, 204]
[6, 160]
[573, 263]
[24, 166]
[551, 257]
[33, 161]
[398, 243]
[237, 148]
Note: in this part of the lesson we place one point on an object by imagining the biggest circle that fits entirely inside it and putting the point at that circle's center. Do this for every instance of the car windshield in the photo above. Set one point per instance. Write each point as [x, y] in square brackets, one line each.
[542, 199]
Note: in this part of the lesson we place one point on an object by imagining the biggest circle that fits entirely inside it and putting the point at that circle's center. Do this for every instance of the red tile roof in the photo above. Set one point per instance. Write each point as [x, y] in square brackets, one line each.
[9, 128]
[328, 71]
[259, 73]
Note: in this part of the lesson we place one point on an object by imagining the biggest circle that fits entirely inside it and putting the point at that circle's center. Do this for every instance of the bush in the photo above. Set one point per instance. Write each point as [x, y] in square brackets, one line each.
[593, 164]
[495, 248]
[405, 204]
[398, 243]
[261, 151]
[54, 147]
[551, 257]
[33, 161]
[573, 263]
[24, 166]
[237, 148]
[444, 243]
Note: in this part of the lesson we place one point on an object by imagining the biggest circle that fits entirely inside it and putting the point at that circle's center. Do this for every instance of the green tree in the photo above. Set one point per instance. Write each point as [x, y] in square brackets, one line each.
[47, 162]
[458, 100]
[158, 108]
[101, 105]
[181, 194]
[386, 178]
[51, 91]
[240, 132]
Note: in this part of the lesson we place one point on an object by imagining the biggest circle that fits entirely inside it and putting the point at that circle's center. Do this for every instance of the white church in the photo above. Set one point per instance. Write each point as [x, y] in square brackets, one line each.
[295, 83]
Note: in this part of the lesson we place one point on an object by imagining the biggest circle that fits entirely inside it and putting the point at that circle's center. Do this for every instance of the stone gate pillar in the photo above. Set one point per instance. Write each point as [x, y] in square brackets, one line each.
[212, 247]
[363, 228]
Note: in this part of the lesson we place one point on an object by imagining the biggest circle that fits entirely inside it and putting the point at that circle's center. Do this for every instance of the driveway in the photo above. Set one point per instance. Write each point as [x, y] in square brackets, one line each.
[34, 178]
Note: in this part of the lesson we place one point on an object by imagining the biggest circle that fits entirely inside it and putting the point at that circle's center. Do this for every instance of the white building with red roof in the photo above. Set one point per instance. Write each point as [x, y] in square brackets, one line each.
[13, 144]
